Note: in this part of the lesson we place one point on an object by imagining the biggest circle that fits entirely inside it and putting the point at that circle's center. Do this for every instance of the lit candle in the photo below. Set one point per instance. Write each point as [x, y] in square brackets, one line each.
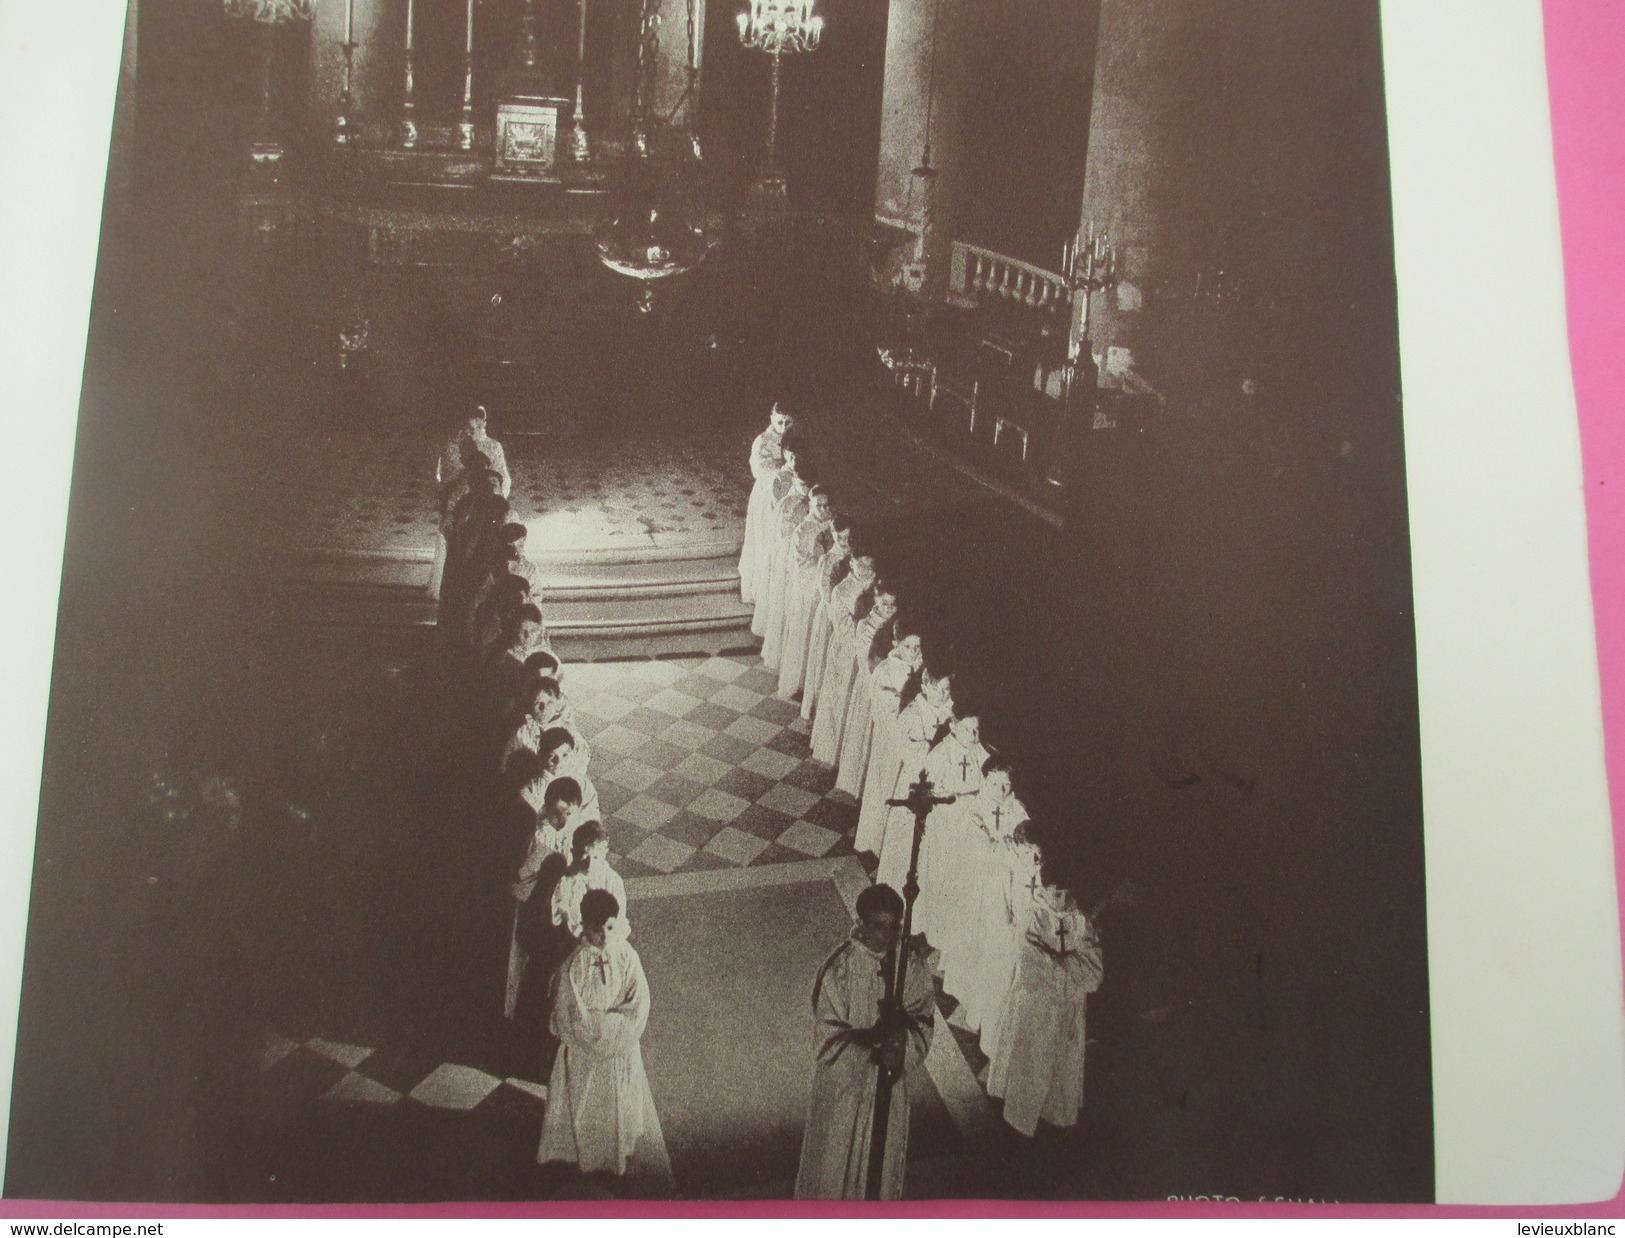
[349, 21]
[468, 32]
[409, 25]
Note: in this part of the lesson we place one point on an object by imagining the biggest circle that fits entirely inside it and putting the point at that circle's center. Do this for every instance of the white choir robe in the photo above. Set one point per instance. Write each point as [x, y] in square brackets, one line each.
[527, 734]
[1037, 1068]
[766, 550]
[951, 769]
[857, 728]
[987, 909]
[598, 1099]
[1001, 951]
[792, 512]
[572, 887]
[830, 717]
[801, 602]
[886, 686]
[969, 968]
[840, 1117]
[831, 568]
[544, 842]
[534, 794]
[917, 728]
[765, 461]
[449, 470]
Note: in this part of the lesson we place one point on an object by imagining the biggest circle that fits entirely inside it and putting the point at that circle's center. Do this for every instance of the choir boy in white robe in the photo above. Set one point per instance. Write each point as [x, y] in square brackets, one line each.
[589, 870]
[560, 758]
[766, 458]
[869, 645]
[767, 522]
[812, 539]
[978, 969]
[1037, 1065]
[922, 723]
[473, 431]
[486, 621]
[953, 768]
[854, 1040]
[471, 529]
[469, 448]
[790, 511]
[832, 569]
[598, 1100]
[545, 860]
[546, 708]
[504, 673]
[1002, 950]
[849, 601]
[894, 684]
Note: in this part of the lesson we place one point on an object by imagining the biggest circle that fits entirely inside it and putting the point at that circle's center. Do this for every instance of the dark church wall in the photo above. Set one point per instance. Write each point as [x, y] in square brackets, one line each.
[1009, 126]
[1245, 662]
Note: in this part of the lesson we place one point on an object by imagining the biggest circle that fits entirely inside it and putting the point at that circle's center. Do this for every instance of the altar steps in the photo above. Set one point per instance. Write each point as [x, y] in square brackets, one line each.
[598, 604]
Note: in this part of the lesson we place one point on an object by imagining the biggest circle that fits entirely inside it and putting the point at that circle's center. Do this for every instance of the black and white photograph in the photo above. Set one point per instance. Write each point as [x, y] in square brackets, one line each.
[774, 600]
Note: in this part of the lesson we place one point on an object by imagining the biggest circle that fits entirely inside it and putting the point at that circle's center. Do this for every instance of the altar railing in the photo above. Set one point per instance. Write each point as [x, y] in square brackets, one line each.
[977, 273]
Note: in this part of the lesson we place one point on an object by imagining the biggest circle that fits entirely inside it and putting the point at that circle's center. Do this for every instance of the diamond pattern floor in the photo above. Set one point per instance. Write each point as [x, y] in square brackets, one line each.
[699, 766]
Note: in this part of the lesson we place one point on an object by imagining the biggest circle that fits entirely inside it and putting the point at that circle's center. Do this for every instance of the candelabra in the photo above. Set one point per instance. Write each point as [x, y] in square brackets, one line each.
[1089, 267]
[780, 28]
[271, 12]
[265, 150]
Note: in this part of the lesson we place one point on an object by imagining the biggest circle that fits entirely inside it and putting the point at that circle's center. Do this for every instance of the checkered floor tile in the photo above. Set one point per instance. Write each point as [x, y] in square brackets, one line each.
[698, 765]
[357, 1075]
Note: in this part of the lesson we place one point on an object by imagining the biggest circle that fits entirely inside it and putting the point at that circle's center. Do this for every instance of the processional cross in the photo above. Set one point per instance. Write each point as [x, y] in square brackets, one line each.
[920, 801]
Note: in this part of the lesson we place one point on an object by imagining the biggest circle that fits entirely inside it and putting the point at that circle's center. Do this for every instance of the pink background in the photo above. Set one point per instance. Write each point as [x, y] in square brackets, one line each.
[1585, 54]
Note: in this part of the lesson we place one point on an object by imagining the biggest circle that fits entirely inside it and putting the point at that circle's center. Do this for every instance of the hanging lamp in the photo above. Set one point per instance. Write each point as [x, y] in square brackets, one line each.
[657, 226]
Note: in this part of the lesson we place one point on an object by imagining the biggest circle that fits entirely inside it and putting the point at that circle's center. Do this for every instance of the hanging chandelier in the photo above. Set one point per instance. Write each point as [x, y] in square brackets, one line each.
[780, 27]
[272, 12]
[657, 229]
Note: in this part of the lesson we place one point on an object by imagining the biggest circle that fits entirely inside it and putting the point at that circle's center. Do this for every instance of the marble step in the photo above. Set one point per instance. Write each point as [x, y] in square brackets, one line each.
[623, 574]
[607, 603]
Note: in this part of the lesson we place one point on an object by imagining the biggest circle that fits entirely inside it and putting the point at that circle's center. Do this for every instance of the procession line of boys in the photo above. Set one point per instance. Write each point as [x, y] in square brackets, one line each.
[1015, 950]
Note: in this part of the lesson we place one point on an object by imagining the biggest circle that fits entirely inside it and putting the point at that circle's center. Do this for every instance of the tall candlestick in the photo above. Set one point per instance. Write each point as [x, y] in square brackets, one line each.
[409, 126]
[580, 151]
[465, 125]
[343, 129]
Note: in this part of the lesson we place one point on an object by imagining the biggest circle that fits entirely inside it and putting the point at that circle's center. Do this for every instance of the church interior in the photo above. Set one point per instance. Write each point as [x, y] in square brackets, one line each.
[1085, 310]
